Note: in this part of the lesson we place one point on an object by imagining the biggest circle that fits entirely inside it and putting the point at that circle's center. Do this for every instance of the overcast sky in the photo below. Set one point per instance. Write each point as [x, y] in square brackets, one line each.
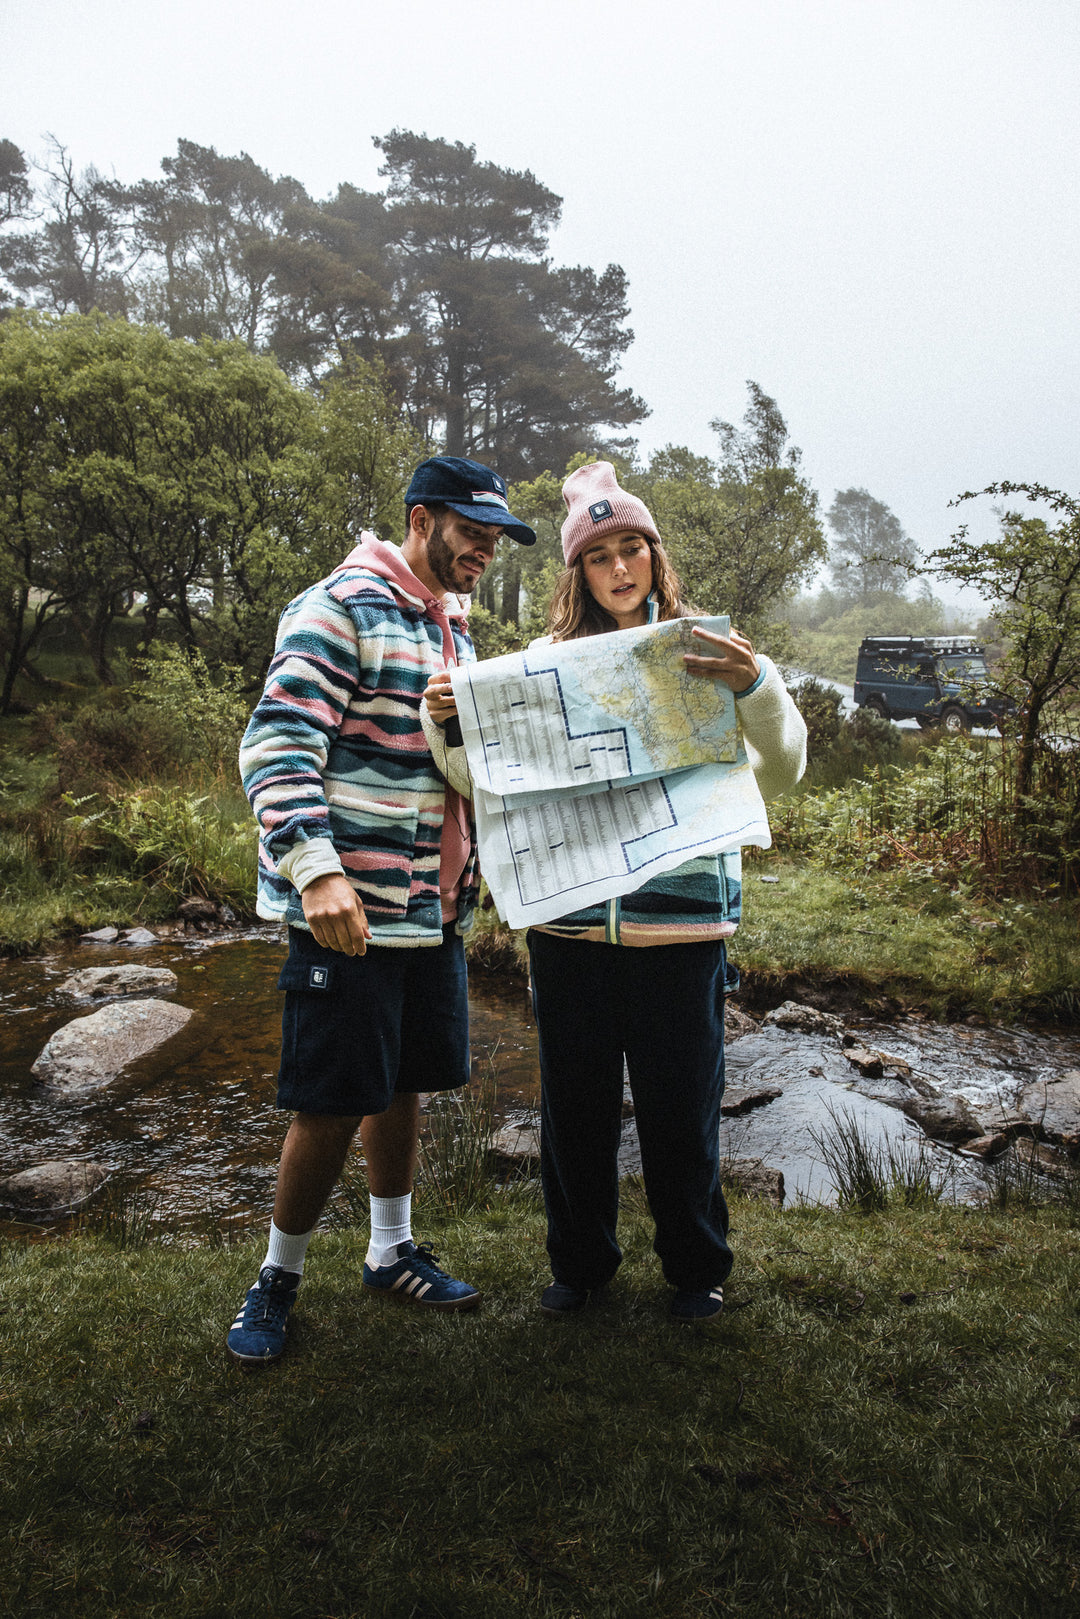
[870, 207]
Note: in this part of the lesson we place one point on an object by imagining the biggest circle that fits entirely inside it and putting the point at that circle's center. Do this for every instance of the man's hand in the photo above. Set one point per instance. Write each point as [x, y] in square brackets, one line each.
[735, 662]
[335, 915]
[439, 697]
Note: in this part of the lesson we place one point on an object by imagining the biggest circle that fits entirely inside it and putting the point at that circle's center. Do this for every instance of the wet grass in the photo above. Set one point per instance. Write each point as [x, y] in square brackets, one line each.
[886, 1421]
[868, 1176]
[884, 939]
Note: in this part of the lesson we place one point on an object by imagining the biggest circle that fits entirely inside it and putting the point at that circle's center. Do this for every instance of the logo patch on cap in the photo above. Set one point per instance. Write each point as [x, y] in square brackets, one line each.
[484, 497]
[600, 510]
[319, 977]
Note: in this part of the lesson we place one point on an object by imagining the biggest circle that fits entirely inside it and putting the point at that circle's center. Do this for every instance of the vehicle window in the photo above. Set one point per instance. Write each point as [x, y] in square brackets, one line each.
[962, 666]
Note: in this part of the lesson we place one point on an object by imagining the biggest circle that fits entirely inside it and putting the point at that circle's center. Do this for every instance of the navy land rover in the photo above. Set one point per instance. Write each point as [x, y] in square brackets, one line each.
[939, 680]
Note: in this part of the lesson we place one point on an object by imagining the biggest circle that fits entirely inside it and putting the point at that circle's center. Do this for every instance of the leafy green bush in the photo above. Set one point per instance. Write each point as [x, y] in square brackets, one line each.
[204, 710]
[490, 636]
[180, 842]
[838, 749]
[176, 717]
[819, 706]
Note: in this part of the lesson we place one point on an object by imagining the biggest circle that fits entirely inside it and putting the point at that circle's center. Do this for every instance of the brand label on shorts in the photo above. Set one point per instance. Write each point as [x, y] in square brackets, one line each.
[319, 978]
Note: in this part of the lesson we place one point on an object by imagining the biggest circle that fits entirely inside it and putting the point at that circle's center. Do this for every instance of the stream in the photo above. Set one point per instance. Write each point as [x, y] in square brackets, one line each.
[195, 1120]
[193, 1123]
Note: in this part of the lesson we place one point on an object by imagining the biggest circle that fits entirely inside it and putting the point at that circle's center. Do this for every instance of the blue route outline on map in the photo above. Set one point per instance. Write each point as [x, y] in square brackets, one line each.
[515, 769]
[652, 841]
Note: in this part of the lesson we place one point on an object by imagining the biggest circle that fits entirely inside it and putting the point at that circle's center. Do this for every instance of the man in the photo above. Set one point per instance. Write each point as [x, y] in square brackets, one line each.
[369, 857]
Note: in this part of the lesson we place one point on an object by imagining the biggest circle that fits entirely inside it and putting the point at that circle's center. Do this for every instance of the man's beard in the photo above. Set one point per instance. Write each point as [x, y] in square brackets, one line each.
[441, 559]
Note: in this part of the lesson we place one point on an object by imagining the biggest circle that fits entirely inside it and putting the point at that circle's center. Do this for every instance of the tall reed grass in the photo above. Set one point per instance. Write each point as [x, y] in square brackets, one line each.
[869, 1176]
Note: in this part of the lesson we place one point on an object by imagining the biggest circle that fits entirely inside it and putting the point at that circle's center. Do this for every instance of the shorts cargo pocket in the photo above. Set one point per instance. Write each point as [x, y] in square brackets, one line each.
[315, 1017]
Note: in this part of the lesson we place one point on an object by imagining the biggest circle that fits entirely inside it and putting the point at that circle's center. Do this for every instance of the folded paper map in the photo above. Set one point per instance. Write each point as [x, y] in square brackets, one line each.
[597, 764]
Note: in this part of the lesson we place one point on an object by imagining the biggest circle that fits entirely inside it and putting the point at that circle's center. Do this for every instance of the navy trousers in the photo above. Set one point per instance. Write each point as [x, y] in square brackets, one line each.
[662, 1007]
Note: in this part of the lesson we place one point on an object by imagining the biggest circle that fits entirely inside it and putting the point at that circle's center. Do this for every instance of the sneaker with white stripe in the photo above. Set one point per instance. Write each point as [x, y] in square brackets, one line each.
[257, 1336]
[416, 1278]
[704, 1306]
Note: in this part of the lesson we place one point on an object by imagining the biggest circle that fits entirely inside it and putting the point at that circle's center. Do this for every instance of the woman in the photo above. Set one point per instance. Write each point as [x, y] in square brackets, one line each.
[642, 978]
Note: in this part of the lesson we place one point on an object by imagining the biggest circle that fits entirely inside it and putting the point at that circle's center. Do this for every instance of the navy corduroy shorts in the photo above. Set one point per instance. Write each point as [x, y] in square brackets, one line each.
[356, 1030]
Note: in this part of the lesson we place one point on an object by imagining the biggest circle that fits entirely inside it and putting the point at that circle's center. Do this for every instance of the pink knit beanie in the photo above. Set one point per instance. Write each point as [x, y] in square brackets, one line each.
[596, 506]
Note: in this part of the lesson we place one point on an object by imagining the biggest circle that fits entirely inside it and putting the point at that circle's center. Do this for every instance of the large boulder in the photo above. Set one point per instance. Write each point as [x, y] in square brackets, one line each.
[1053, 1106]
[101, 983]
[92, 1050]
[943, 1118]
[50, 1190]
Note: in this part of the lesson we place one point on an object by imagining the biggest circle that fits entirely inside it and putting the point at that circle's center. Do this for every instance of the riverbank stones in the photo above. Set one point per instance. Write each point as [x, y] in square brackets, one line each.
[50, 1190]
[943, 1118]
[516, 1149]
[754, 1179]
[92, 1050]
[102, 983]
[804, 1019]
[737, 1023]
[1053, 1106]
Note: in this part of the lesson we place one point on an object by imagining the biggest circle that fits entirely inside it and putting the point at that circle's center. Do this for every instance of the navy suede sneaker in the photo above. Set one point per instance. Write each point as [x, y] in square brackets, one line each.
[257, 1336]
[415, 1276]
[697, 1306]
[559, 1299]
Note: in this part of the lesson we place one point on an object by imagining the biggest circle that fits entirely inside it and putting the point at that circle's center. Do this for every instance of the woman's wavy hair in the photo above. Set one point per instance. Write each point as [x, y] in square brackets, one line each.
[575, 612]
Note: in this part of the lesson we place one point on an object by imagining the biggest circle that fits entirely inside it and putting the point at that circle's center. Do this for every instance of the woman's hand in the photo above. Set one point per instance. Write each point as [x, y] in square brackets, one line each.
[735, 663]
[439, 697]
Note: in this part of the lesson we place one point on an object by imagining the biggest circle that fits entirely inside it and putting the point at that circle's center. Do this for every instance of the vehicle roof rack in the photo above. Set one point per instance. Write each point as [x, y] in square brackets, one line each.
[920, 643]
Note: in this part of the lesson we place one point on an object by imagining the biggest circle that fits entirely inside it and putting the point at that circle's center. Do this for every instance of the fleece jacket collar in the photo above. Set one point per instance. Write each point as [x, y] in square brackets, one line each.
[380, 557]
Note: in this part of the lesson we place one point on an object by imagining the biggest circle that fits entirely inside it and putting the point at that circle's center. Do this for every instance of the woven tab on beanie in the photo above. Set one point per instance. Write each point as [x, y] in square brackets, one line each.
[596, 506]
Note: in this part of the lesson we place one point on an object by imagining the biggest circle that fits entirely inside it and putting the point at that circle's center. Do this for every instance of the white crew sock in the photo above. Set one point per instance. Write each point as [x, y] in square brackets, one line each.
[391, 1223]
[287, 1252]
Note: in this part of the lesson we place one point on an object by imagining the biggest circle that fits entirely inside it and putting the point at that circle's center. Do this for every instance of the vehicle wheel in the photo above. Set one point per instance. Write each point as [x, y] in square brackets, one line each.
[955, 720]
[877, 706]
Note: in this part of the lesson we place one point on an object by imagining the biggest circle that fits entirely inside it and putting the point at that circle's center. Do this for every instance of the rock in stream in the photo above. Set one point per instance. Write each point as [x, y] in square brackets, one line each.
[92, 1050]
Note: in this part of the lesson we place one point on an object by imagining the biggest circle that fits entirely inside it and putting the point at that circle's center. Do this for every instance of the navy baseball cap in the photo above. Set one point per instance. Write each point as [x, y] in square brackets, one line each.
[469, 488]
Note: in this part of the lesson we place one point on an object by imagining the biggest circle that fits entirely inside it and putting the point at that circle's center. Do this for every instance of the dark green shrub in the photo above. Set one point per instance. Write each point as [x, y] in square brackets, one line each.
[820, 707]
[176, 716]
[839, 749]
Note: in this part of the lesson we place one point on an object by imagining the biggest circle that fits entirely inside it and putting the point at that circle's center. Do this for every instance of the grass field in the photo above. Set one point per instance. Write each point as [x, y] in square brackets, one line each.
[886, 1421]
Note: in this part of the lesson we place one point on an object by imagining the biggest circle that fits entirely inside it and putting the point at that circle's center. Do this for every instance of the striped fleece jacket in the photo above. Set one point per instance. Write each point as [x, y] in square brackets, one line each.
[334, 760]
[701, 899]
